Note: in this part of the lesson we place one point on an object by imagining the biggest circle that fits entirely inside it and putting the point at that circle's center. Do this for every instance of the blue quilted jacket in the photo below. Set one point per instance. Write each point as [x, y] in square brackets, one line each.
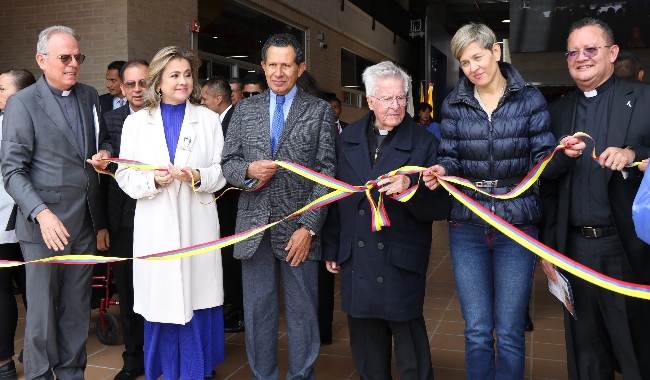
[508, 146]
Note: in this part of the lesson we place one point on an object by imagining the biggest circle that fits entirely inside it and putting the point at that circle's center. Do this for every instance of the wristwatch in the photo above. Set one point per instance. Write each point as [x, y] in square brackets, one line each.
[311, 232]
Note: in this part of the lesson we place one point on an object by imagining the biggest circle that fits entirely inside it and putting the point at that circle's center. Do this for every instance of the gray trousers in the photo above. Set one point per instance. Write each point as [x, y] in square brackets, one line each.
[59, 310]
[261, 278]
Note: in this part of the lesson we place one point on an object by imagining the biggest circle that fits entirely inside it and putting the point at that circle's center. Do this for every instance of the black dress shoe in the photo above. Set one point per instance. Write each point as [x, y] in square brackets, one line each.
[129, 374]
[234, 322]
[8, 371]
[529, 323]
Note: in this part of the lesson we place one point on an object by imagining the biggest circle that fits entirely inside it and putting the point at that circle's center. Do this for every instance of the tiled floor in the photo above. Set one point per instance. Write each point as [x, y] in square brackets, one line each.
[545, 351]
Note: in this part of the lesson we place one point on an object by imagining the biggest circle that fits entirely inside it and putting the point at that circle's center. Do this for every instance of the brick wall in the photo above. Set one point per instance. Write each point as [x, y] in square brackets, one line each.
[107, 30]
[154, 25]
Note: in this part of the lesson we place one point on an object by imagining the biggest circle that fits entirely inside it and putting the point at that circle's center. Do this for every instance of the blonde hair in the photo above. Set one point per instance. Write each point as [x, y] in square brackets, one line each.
[156, 68]
[472, 32]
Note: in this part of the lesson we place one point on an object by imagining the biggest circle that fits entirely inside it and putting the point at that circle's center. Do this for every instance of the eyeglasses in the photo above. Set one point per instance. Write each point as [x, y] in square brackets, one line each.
[387, 102]
[67, 58]
[131, 84]
[589, 52]
[249, 94]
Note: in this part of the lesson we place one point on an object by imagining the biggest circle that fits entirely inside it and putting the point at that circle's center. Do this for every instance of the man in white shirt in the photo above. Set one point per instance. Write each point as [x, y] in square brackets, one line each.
[216, 95]
[114, 99]
[336, 105]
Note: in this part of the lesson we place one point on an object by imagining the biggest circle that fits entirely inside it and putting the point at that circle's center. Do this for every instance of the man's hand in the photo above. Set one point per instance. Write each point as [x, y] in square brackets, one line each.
[54, 233]
[549, 269]
[616, 158]
[298, 246]
[103, 240]
[394, 185]
[98, 159]
[162, 177]
[644, 165]
[431, 180]
[332, 267]
[261, 169]
[573, 146]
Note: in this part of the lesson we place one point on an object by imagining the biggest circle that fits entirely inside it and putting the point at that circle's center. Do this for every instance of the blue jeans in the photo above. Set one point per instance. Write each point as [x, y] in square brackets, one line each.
[493, 277]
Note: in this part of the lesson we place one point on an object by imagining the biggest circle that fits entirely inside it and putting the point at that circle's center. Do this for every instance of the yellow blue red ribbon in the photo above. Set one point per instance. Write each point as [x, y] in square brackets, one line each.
[380, 219]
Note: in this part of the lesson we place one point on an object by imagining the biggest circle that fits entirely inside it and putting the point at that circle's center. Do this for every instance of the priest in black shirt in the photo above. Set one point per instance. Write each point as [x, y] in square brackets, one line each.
[588, 209]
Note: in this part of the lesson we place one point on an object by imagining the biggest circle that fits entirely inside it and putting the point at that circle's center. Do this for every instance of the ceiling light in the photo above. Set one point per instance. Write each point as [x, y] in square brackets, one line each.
[215, 37]
[506, 21]
[251, 71]
[352, 86]
[238, 56]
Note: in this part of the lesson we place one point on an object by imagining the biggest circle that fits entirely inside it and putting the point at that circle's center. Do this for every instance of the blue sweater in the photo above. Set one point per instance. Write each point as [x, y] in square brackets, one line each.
[172, 116]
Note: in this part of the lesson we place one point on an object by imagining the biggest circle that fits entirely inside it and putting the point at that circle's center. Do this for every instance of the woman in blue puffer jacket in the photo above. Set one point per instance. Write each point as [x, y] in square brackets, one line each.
[495, 128]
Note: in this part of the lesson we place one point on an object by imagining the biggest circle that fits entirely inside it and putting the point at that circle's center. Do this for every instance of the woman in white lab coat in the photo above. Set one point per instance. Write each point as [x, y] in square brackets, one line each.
[180, 299]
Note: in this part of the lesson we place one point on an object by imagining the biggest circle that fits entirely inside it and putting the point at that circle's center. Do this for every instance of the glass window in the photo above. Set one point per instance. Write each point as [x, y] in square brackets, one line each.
[220, 69]
[231, 30]
[352, 66]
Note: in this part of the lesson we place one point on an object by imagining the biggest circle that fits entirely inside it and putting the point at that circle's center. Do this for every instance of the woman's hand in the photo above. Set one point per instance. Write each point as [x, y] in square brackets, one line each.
[394, 185]
[573, 146]
[430, 176]
[182, 174]
[162, 178]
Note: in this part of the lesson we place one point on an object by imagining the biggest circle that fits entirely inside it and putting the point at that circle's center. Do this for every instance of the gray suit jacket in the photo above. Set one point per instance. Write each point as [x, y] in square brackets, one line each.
[307, 139]
[42, 162]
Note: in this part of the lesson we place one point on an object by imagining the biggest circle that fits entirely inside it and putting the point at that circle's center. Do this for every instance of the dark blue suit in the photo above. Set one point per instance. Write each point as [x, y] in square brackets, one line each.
[383, 274]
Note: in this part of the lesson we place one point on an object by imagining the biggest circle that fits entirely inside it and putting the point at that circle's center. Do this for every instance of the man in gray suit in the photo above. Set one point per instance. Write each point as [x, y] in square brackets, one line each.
[50, 139]
[281, 124]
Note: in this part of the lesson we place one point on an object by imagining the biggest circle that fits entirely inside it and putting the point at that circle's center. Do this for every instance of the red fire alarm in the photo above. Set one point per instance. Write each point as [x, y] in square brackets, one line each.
[195, 26]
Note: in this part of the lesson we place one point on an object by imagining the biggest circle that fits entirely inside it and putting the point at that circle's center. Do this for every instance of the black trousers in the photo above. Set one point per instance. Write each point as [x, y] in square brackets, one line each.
[611, 330]
[371, 341]
[8, 305]
[132, 323]
[232, 282]
[325, 301]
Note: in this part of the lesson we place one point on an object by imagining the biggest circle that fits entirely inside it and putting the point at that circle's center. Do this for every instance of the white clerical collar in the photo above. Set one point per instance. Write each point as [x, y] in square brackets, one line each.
[591, 94]
[65, 93]
[383, 132]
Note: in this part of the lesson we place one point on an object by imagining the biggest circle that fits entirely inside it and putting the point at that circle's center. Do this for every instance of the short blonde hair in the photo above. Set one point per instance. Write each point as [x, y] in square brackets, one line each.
[472, 32]
[156, 68]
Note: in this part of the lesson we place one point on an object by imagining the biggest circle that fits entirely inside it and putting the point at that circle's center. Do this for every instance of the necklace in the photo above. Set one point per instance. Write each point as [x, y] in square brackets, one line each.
[490, 109]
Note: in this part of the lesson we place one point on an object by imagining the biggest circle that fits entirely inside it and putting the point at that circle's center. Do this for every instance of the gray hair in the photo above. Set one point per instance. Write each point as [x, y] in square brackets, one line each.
[472, 32]
[44, 37]
[386, 69]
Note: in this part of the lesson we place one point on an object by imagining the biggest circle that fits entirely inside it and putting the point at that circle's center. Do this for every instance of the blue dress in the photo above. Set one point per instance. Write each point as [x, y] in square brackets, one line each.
[190, 351]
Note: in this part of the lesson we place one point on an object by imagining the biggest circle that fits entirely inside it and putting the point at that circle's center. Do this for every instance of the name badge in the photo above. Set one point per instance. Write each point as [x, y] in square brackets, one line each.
[187, 143]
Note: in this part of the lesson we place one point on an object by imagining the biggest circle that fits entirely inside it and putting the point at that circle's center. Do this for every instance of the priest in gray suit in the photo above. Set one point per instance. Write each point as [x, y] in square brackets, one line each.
[50, 139]
[280, 124]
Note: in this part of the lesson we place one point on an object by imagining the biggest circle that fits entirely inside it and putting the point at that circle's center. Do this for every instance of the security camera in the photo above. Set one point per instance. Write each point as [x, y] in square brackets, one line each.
[323, 45]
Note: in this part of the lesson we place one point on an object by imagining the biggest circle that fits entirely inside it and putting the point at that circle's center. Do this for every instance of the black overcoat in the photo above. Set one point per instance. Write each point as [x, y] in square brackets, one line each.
[383, 274]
